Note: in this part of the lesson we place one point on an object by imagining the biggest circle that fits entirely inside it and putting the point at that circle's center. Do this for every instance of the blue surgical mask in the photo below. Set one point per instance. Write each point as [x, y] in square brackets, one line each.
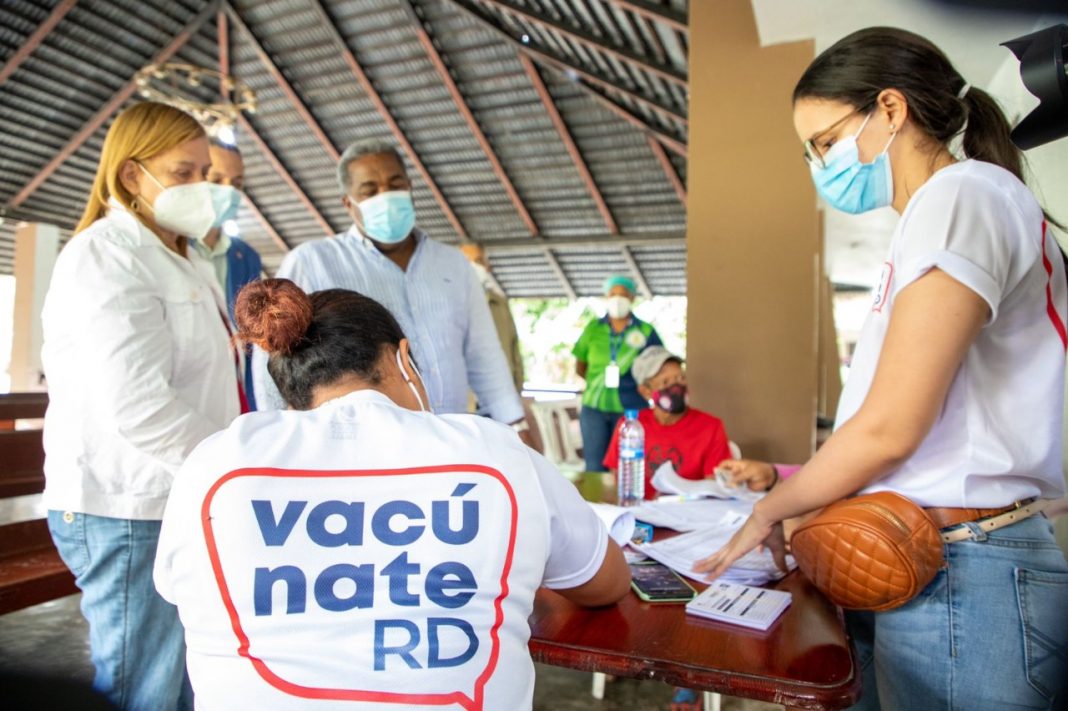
[225, 200]
[849, 185]
[388, 217]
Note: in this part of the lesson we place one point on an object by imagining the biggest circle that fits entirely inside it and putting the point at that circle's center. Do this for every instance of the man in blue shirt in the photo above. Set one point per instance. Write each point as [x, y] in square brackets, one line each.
[428, 287]
[234, 261]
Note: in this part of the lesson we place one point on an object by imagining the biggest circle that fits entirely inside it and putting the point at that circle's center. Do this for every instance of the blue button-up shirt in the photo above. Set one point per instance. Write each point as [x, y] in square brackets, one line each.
[439, 304]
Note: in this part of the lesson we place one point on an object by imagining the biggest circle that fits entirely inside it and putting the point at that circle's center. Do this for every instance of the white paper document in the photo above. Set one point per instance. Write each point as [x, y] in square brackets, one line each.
[690, 515]
[681, 552]
[668, 481]
[740, 604]
[618, 520]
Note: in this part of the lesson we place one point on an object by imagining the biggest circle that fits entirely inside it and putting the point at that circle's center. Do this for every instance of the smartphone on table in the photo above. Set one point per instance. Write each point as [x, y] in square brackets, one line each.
[655, 582]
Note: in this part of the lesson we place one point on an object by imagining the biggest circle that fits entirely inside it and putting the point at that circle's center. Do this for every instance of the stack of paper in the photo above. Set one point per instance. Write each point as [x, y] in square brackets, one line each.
[691, 515]
[740, 604]
[682, 552]
[618, 520]
[666, 480]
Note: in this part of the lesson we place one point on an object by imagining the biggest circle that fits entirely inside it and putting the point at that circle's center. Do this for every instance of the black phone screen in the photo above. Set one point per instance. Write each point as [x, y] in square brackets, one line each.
[655, 581]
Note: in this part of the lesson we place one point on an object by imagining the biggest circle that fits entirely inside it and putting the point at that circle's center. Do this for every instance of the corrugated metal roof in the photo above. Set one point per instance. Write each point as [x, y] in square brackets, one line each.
[615, 76]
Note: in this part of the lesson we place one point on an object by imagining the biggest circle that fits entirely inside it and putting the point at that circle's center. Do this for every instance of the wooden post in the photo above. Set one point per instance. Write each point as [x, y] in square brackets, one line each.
[36, 248]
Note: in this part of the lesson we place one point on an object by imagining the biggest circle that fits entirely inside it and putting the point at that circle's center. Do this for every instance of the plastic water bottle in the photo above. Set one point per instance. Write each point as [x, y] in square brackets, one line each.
[631, 476]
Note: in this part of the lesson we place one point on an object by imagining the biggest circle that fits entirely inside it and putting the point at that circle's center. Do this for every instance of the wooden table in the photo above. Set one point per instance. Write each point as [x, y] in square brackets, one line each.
[804, 660]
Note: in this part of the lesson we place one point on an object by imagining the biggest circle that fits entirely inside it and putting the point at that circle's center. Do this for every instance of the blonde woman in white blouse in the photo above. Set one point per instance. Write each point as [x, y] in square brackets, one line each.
[139, 371]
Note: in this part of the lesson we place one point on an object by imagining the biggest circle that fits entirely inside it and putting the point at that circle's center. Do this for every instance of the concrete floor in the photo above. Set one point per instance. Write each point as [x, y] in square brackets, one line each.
[52, 640]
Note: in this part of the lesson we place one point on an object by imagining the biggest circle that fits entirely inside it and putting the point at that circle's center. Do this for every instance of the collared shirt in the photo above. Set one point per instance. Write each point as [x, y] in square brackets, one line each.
[381, 557]
[139, 369]
[439, 304]
[598, 346]
[216, 256]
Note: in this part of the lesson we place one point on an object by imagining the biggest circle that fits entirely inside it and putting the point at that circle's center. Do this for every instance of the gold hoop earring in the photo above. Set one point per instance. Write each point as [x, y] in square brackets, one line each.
[135, 206]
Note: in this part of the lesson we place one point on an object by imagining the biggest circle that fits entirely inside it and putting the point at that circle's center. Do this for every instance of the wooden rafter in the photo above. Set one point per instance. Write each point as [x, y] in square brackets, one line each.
[670, 142]
[655, 12]
[569, 141]
[554, 264]
[35, 39]
[282, 171]
[266, 224]
[607, 243]
[369, 89]
[664, 71]
[470, 120]
[283, 84]
[643, 285]
[550, 56]
[109, 109]
[669, 169]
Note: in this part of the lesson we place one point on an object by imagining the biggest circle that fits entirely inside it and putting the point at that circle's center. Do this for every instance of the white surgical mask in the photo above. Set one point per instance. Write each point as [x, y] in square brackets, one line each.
[407, 379]
[187, 209]
[618, 307]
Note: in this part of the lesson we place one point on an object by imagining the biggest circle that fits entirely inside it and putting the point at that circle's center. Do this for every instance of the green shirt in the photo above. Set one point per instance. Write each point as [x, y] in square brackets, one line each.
[595, 348]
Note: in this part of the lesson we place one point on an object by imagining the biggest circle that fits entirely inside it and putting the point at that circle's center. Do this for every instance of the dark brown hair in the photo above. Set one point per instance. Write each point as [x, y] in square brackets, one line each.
[857, 68]
[314, 340]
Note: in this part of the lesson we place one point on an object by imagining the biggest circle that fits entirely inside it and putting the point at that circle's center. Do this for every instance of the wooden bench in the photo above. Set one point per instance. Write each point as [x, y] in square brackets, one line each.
[31, 570]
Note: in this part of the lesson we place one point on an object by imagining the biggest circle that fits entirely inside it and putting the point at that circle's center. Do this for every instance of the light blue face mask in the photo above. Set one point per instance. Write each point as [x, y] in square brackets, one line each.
[388, 217]
[225, 200]
[849, 185]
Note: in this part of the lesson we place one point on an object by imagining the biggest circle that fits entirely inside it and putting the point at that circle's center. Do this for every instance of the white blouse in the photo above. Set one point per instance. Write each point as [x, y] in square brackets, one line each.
[138, 365]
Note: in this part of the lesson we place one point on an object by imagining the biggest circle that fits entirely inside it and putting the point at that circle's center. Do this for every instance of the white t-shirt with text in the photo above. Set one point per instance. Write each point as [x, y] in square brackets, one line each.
[998, 437]
[362, 555]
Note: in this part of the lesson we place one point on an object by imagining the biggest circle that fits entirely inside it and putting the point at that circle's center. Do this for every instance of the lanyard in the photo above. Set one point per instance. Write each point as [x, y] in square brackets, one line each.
[615, 340]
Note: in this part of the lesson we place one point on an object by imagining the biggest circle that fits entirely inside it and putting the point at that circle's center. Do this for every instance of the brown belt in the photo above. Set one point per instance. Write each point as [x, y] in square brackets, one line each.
[946, 517]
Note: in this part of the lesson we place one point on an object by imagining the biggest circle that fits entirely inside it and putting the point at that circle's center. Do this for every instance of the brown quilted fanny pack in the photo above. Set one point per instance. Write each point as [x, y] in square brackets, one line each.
[878, 551]
[870, 552]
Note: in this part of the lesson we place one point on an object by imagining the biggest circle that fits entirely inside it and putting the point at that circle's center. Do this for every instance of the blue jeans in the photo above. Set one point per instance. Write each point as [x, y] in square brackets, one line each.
[989, 632]
[597, 427]
[135, 638]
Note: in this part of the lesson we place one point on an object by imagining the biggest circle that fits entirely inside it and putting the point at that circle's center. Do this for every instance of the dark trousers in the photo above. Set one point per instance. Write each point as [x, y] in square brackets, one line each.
[597, 427]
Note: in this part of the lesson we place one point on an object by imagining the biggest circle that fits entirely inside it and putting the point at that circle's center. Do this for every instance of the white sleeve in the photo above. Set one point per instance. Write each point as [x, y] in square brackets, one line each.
[578, 539]
[110, 303]
[967, 227]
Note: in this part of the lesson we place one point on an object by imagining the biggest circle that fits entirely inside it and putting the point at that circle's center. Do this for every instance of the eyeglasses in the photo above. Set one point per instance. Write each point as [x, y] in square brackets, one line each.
[812, 154]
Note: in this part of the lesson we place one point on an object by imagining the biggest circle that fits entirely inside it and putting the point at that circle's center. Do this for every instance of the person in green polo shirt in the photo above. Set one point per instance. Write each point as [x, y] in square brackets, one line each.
[604, 354]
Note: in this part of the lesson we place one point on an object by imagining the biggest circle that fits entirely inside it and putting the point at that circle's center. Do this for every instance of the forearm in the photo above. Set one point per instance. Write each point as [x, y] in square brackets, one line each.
[852, 458]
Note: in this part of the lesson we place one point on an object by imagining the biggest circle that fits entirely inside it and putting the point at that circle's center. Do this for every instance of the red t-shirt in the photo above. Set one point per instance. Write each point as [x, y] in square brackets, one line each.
[695, 445]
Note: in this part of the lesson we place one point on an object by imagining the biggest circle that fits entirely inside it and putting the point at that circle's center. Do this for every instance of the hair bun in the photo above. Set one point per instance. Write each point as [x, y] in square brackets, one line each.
[274, 314]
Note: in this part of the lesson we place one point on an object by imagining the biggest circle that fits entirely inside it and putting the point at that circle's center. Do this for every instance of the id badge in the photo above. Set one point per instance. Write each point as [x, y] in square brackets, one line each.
[611, 376]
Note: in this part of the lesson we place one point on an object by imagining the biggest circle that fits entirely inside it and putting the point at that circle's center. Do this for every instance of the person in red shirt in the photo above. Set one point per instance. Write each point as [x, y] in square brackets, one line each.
[694, 441]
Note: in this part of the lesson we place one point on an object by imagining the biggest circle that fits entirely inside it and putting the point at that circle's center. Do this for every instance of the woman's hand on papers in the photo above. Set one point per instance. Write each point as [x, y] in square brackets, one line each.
[754, 532]
[758, 476]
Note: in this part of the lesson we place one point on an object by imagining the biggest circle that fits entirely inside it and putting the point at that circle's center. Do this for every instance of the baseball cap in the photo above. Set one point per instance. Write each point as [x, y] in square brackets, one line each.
[650, 361]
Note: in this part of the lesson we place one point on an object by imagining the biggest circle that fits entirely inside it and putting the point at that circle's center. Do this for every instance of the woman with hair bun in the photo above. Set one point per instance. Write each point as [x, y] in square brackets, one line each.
[955, 395]
[358, 547]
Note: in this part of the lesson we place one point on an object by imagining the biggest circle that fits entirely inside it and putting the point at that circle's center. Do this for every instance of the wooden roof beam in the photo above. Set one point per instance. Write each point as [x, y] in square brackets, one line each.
[369, 89]
[35, 39]
[265, 223]
[668, 168]
[283, 84]
[470, 120]
[664, 71]
[549, 56]
[554, 264]
[569, 142]
[282, 171]
[656, 12]
[109, 109]
[643, 285]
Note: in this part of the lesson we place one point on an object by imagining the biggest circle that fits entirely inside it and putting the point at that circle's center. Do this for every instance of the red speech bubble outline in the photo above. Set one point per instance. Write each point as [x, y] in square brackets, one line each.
[457, 697]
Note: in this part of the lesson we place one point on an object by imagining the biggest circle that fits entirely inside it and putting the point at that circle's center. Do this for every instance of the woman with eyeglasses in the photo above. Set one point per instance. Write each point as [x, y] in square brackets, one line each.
[139, 371]
[955, 396]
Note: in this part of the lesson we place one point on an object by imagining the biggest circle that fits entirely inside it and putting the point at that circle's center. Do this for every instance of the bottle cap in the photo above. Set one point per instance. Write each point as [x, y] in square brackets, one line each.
[630, 414]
